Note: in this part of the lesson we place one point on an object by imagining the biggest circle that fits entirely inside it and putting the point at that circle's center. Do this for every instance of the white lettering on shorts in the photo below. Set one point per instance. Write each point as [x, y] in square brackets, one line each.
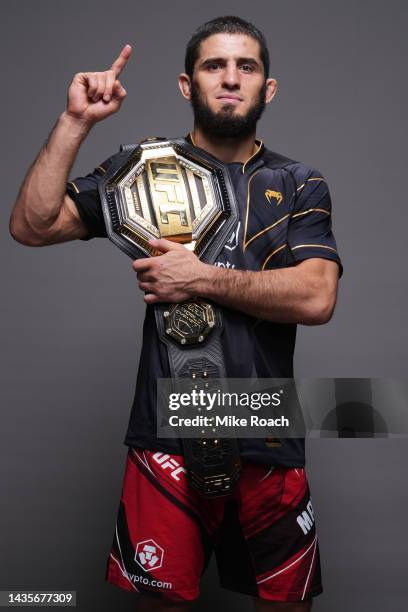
[167, 462]
[144, 580]
[306, 519]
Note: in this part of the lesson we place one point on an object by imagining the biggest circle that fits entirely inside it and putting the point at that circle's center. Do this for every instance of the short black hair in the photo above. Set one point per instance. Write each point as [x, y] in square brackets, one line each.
[230, 25]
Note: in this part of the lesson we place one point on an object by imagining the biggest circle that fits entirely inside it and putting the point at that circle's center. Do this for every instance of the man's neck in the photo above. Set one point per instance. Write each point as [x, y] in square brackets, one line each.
[226, 150]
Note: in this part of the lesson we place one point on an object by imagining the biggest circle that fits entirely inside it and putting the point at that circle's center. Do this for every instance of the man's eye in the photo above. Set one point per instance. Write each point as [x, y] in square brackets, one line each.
[212, 66]
[247, 68]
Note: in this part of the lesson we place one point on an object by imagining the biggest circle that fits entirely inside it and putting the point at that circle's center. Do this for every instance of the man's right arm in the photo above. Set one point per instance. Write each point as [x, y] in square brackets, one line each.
[44, 213]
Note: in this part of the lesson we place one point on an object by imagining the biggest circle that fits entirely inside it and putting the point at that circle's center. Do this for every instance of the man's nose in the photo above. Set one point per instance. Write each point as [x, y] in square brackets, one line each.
[231, 76]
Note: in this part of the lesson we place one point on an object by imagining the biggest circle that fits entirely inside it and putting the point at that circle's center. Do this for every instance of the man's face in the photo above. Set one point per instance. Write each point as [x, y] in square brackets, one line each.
[228, 91]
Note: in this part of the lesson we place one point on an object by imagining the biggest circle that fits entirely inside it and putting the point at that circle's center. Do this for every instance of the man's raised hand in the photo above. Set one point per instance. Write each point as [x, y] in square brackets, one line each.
[94, 96]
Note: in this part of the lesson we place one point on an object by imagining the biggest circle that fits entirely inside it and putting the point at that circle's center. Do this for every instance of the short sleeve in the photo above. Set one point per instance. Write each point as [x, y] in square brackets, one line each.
[83, 190]
[310, 226]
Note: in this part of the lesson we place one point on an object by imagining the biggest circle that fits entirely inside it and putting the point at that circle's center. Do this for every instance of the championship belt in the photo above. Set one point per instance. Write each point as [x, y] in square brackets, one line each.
[170, 189]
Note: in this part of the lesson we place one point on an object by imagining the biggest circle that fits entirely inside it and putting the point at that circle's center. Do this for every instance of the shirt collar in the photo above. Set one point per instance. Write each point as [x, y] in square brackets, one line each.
[260, 147]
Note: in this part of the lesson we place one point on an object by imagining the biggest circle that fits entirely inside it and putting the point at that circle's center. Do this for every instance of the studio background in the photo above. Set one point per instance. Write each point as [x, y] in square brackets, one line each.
[72, 313]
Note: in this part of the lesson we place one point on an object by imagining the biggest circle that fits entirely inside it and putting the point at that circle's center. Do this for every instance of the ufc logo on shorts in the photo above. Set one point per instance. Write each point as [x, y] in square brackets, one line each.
[168, 463]
[306, 519]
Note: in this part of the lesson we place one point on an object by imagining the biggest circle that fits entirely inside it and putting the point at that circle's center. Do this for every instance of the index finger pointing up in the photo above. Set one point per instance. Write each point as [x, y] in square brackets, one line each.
[119, 63]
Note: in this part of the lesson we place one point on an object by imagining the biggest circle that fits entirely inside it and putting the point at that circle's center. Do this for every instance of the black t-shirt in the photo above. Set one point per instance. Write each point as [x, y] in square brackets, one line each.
[284, 217]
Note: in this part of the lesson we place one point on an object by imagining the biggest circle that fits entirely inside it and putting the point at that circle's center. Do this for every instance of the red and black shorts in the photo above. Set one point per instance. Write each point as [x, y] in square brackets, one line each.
[263, 534]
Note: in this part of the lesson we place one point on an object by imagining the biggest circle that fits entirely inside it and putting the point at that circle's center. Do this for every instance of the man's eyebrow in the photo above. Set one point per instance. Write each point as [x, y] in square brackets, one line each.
[248, 60]
[211, 60]
[222, 60]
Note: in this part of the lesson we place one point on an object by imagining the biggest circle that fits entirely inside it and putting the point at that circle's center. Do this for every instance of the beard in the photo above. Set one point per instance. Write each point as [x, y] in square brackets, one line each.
[226, 123]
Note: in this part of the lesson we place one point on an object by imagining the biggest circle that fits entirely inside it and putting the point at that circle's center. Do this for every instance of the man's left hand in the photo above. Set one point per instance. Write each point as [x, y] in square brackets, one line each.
[172, 277]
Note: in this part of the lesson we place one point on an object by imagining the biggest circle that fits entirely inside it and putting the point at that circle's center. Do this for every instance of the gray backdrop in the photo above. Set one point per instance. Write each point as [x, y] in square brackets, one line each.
[68, 378]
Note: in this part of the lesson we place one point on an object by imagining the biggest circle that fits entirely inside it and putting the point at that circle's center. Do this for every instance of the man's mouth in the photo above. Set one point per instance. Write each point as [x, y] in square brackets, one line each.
[229, 98]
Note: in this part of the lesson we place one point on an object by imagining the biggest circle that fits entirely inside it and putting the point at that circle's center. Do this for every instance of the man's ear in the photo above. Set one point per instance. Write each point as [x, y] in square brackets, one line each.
[185, 85]
[271, 87]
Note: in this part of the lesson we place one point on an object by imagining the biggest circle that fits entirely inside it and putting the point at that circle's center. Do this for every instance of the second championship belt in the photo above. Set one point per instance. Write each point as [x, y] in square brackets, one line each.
[170, 189]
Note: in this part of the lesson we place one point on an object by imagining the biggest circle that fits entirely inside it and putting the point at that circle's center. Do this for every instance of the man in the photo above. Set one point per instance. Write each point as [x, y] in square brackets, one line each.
[280, 267]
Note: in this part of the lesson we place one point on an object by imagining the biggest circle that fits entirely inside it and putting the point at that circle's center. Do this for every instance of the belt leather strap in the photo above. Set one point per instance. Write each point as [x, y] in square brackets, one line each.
[213, 464]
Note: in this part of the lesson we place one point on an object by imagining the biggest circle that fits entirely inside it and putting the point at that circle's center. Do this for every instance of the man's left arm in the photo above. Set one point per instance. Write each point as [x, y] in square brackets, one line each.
[303, 293]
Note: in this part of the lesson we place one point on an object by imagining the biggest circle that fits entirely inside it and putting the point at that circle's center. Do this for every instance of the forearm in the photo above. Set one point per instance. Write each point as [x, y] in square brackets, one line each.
[285, 295]
[42, 192]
